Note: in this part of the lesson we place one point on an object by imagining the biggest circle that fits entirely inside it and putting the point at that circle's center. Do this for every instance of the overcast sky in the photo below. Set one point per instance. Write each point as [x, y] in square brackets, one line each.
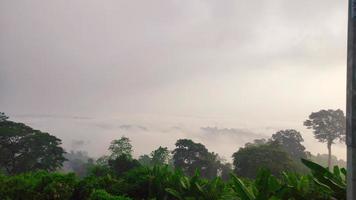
[220, 72]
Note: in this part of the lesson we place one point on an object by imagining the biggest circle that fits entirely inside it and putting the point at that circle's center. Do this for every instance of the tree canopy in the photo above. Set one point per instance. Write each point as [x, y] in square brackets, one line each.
[290, 140]
[24, 149]
[122, 164]
[160, 156]
[328, 126]
[190, 157]
[249, 159]
[120, 147]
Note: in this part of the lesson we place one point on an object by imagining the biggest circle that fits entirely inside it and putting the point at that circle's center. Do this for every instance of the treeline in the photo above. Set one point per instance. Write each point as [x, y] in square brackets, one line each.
[275, 154]
[270, 168]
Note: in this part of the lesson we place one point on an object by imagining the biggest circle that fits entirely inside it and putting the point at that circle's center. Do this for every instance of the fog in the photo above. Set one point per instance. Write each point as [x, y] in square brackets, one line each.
[220, 72]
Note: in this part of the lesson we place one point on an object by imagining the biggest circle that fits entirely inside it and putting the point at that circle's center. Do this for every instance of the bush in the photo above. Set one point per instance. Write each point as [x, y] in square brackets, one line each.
[103, 195]
[86, 186]
[38, 186]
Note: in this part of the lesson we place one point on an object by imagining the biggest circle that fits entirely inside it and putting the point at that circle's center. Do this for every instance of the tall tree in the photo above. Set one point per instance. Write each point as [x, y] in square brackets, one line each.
[328, 126]
[24, 149]
[120, 147]
[160, 156]
[249, 159]
[190, 156]
[291, 141]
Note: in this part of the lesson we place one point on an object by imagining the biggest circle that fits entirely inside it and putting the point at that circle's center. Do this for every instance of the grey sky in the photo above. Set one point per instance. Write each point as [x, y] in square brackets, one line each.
[84, 69]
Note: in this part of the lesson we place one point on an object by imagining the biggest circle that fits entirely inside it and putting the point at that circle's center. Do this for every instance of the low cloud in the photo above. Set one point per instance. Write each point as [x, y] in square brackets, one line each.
[49, 116]
[132, 127]
[79, 144]
[230, 131]
[125, 127]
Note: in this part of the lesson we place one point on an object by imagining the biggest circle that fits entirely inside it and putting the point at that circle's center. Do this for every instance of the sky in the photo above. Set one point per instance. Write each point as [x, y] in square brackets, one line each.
[222, 73]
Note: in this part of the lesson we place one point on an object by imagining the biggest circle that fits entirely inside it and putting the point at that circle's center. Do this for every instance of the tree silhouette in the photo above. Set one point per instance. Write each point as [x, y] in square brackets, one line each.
[328, 126]
[24, 149]
[160, 156]
[122, 164]
[190, 157]
[249, 159]
[290, 140]
[120, 147]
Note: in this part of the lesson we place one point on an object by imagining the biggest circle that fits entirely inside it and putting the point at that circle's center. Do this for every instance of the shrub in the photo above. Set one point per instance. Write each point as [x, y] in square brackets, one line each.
[38, 186]
[103, 195]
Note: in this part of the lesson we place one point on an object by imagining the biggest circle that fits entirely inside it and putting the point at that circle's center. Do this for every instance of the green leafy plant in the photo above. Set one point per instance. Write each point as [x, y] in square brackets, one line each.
[103, 195]
[164, 183]
[333, 183]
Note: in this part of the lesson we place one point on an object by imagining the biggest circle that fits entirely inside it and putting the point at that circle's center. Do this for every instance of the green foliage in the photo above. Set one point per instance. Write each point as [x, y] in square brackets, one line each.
[290, 140]
[160, 156]
[333, 183]
[328, 126]
[190, 156]
[86, 186]
[120, 147]
[291, 186]
[23, 149]
[37, 186]
[197, 188]
[162, 182]
[100, 170]
[122, 164]
[248, 160]
[103, 195]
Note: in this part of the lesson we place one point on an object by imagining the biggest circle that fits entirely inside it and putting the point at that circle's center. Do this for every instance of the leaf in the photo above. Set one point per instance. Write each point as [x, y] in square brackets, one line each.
[343, 171]
[315, 167]
[200, 189]
[184, 181]
[242, 190]
[273, 183]
[174, 193]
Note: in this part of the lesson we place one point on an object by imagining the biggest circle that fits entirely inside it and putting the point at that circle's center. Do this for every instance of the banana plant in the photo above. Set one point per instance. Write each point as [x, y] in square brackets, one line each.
[332, 182]
[301, 187]
[265, 187]
[197, 188]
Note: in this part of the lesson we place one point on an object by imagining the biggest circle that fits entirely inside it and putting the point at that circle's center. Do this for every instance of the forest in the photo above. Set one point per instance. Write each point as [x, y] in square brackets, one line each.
[35, 166]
